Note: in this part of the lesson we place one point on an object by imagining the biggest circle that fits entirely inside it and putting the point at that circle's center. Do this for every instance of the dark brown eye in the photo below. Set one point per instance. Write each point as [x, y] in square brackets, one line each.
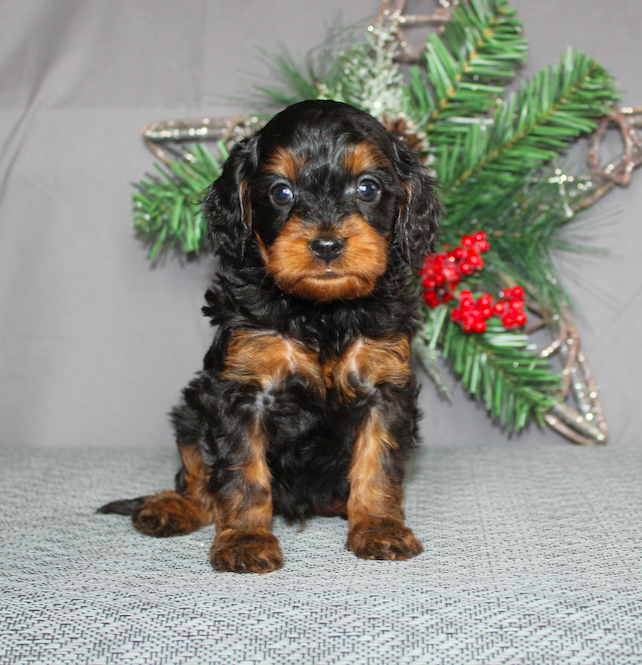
[368, 190]
[282, 195]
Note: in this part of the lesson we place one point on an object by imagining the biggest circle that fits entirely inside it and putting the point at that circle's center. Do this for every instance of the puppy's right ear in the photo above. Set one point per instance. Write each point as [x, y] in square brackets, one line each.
[227, 203]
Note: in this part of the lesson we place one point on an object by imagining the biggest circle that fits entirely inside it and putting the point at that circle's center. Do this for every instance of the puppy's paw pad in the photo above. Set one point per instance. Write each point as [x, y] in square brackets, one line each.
[246, 552]
[383, 539]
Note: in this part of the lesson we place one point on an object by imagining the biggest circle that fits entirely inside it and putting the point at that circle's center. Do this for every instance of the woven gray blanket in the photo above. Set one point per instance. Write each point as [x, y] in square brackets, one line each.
[532, 555]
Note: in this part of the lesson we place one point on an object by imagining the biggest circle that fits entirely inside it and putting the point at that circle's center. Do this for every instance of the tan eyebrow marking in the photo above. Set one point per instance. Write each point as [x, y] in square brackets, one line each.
[284, 162]
[362, 157]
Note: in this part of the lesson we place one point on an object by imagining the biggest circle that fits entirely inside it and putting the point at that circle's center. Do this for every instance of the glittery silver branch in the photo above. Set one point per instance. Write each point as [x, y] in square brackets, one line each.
[392, 10]
[578, 415]
[619, 171]
[169, 140]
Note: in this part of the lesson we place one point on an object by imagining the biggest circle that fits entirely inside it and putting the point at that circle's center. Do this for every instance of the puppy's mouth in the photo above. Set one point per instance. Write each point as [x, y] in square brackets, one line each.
[327, 287]
[329, 274]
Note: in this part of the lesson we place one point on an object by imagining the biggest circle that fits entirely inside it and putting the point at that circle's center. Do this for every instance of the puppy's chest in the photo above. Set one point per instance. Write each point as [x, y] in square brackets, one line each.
[268, 360]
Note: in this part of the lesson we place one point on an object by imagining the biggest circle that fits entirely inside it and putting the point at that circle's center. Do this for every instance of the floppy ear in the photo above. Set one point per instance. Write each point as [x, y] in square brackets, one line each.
[419, 215]
[227, 203]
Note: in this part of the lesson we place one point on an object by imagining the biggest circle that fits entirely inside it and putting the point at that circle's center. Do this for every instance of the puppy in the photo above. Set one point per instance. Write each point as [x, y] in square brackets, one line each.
[306, 404]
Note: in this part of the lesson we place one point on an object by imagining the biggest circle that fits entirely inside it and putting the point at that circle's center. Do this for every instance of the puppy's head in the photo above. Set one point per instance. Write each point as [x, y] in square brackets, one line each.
[324, 195]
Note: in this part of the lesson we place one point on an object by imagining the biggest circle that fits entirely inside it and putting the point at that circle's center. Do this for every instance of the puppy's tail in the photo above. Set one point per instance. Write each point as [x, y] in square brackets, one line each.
[123, 506]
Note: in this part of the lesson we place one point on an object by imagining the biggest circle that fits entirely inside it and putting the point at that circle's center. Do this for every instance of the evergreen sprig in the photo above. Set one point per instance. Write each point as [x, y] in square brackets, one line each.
[529, 129]
[493, 173]
[167, 205]
[465, 68]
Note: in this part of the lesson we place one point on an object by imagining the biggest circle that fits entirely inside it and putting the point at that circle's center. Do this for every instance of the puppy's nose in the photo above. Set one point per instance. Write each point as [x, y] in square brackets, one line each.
[327, 248]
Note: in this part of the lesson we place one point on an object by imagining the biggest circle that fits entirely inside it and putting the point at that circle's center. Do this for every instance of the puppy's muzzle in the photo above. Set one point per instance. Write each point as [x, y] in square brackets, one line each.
[327, 248]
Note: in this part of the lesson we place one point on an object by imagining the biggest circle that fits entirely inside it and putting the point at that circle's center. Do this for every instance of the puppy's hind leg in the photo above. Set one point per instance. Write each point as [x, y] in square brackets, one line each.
[172, 513]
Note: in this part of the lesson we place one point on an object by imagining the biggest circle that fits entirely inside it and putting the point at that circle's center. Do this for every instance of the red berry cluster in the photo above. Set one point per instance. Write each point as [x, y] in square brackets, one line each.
[473, 314]
[442, 272]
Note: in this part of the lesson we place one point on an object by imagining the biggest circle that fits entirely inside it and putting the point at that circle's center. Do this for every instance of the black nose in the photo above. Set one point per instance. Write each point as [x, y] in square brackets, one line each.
[327, 249]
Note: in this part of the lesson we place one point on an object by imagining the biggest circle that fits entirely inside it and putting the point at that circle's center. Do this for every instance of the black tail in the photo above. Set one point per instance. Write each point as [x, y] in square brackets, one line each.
[122, 506]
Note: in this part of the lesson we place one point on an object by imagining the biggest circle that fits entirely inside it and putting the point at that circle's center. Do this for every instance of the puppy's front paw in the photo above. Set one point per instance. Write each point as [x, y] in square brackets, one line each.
[240, 551]
[383, 539]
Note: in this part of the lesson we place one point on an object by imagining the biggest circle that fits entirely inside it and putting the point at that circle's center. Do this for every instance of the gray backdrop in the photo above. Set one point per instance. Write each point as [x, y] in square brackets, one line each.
[96, 344]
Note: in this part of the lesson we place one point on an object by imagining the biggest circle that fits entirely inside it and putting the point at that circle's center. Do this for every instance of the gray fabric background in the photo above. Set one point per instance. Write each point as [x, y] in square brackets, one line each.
[96, 344]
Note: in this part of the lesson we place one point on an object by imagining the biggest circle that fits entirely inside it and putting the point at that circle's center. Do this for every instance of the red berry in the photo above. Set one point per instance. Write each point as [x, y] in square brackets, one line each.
[465, 268]
[516, 303]
[499, 308]
[509, 320]
[450, 273]
[459, 253]
[482, 246]
[446, 297]
[474, 259]
[479, 326]
[467, 241]
[455, 315]
[431, 298]
[485, 300]
[480, 235]
[520, 318]
[518, 292]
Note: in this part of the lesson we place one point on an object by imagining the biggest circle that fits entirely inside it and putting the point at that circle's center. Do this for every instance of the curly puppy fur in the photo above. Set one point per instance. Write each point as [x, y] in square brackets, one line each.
[306, 404]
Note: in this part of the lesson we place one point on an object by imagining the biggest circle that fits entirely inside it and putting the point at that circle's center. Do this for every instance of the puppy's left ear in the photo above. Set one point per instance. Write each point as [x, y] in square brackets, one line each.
[419, 214]
[227, 204]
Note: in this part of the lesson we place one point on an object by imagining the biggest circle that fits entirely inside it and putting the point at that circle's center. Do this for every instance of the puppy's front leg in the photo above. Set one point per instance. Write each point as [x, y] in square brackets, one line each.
[259, 362]
[379, 372]
[244, 542]
[375, 506]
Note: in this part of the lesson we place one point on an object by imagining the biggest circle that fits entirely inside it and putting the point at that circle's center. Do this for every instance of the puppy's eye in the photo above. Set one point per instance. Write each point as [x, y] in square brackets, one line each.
[368, 190]
[282, 195]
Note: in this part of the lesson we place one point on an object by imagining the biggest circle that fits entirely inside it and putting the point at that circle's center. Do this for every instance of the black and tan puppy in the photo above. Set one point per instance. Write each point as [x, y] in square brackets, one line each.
[306, 404]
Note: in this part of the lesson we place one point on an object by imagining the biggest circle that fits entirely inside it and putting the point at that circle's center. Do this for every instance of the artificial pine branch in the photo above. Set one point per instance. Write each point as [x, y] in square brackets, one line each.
[525, 225]
[529, 129]
[468, 67]
[167, 207]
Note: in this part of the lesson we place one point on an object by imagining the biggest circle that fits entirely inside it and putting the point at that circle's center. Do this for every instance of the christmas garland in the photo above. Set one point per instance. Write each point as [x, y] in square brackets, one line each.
[494, 154]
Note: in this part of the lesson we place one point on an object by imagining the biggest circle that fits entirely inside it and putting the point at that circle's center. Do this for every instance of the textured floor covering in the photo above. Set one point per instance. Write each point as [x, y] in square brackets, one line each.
[532, 555]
